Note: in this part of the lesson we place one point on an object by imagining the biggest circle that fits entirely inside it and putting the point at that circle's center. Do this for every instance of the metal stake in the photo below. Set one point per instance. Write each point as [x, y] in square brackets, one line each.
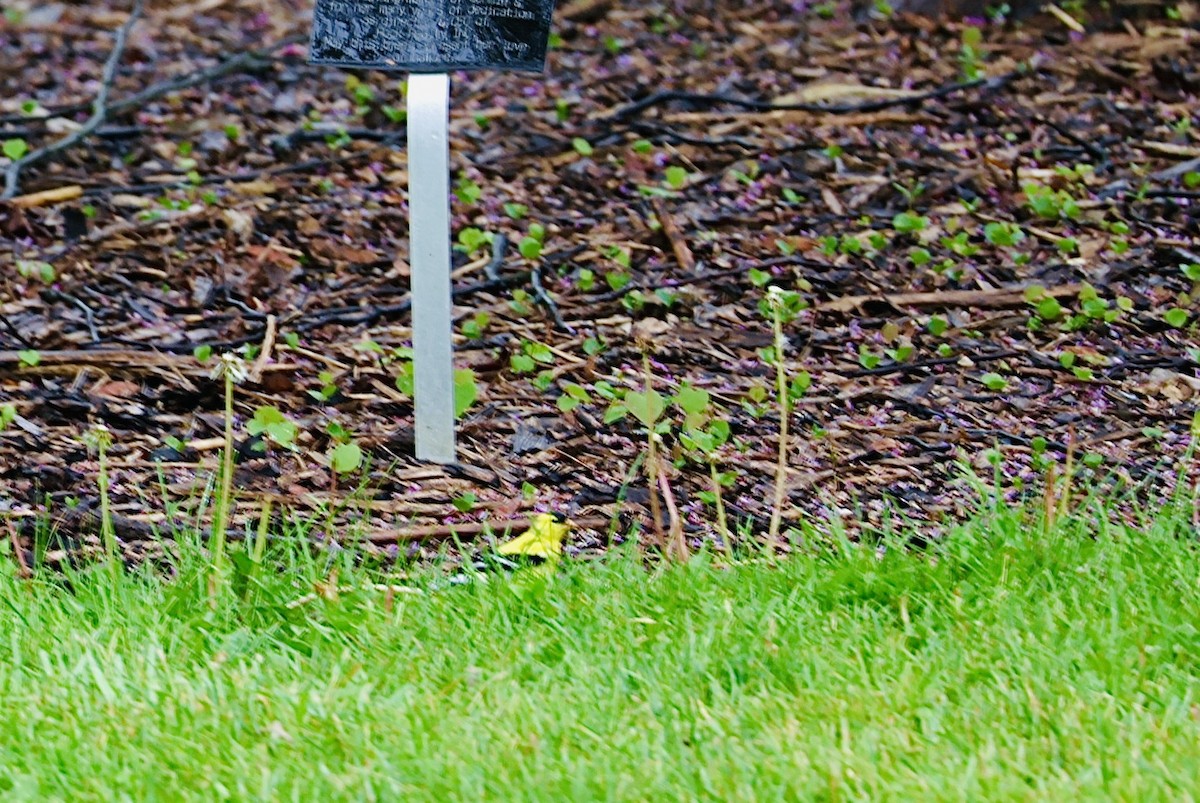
[429, 247]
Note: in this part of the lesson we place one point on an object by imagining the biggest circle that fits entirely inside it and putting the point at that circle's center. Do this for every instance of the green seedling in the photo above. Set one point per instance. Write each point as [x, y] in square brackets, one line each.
[909, 223]
[15, 149]
[474, 327]
[472, 240]
[274, 427]
[8, 414]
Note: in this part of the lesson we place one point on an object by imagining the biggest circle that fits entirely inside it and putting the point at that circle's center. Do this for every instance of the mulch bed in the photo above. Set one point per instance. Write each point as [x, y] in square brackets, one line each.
[266, 208]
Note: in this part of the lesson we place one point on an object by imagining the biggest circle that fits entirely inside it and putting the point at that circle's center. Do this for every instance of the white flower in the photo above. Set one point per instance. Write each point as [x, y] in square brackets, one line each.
[232, 366]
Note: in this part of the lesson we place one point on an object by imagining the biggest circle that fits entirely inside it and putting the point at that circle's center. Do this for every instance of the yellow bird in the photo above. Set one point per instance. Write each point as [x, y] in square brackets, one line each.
[542, 542]
[534, 553]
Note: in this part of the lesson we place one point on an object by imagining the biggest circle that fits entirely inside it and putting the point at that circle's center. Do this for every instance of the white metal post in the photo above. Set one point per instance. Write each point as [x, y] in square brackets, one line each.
[429, 247]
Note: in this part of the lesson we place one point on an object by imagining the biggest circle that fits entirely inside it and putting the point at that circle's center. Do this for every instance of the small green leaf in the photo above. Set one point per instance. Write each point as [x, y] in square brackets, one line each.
[1004, 235]
[29, 357]
[646, 406]
[468, 192]
[406, 379]
[539, 352]
[909, 223]
[36, 269]
[759, 278]
[676, 177]
[8, 414]
[993, 381]
[937, 325]
[274, 425]
[15, 148]
[692, 400]
[1049, 308]
[582, 146]
[472, 239]
[530, 248]
[345, 457]
[578, 392]
[615, 412]
[466, 390]
[720, 431]
[1177, 317]
[466, 502]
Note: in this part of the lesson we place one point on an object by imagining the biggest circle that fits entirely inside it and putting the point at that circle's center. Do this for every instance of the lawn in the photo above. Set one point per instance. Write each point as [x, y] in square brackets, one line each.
[1005, 662]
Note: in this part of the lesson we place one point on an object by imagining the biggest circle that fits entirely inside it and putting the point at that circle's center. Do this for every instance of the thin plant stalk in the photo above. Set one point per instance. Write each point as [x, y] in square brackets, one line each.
[221, 508]
[614, 523]
[108, 533]
[676, 544]
[260, 544]
[652, 463]
[1064, 500]
[1050, 499]
[719, 502]
[785, 415]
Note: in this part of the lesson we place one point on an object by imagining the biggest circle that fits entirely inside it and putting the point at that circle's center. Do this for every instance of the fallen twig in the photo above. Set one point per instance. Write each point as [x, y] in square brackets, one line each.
[992, 299]
[53, 196]
[24, 570]
[112, 358]
[709, 99]
[674, 235]
[676, 546]
[264, 354]
[441, 532]
[12, 329]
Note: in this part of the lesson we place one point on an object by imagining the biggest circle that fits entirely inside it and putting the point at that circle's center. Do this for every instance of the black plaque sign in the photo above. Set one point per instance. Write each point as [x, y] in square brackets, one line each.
[432, 35]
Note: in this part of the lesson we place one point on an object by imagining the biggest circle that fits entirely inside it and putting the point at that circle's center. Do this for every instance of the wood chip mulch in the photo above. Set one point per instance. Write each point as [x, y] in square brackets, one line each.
[991, 242]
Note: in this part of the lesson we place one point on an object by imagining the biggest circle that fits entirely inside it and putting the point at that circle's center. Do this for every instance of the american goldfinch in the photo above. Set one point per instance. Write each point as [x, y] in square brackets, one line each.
[540, 547]
[542, 542]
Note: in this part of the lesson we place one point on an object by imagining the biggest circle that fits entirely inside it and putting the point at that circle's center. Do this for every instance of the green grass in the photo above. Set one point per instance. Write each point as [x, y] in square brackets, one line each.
[1007, 664]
